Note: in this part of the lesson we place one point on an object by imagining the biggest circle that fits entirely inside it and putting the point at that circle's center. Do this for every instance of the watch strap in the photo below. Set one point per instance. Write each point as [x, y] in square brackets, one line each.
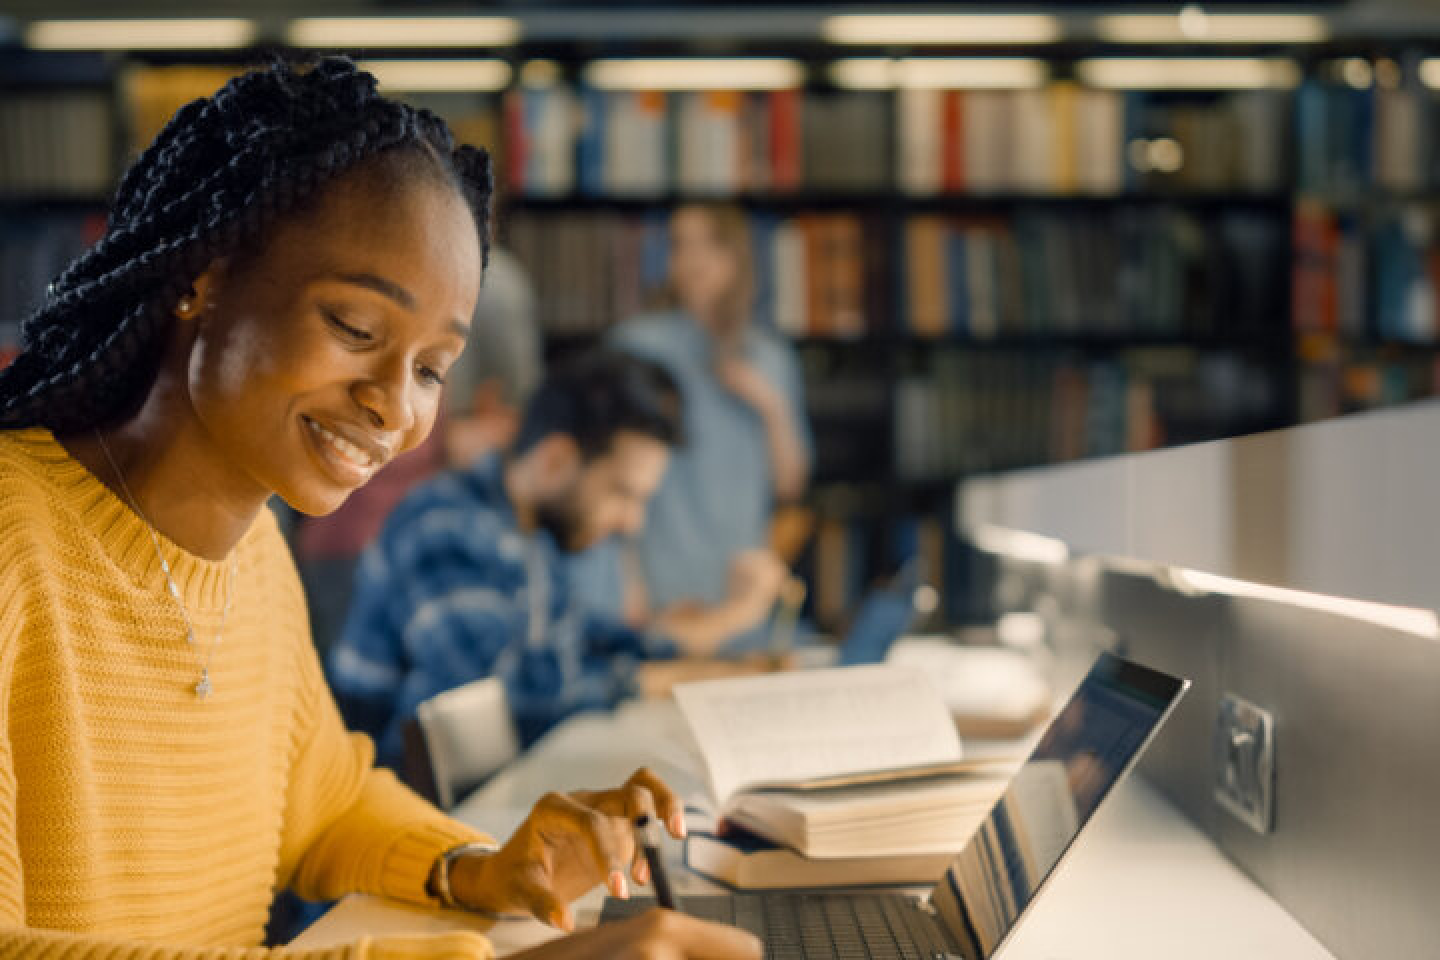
[440, 877]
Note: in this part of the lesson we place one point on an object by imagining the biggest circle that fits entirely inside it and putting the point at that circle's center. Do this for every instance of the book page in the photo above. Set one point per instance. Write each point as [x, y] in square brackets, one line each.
[787, 727]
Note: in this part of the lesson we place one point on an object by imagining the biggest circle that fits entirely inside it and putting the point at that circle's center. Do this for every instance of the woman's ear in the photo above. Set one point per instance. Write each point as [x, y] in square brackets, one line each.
[201, 299]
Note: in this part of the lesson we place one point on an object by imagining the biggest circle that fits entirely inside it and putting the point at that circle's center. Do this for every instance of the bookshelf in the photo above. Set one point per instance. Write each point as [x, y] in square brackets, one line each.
[975, 279]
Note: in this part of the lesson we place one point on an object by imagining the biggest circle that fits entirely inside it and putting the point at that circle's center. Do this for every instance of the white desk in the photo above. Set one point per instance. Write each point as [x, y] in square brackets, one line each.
[1141, 882]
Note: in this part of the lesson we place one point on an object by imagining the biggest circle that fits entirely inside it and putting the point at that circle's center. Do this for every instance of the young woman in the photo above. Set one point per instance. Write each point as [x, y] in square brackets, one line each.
[702, 555]
[286, 275]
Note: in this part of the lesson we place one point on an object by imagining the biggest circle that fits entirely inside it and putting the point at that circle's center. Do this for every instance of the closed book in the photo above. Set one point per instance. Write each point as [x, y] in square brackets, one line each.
[987, 140]
[908, 818]
[786, 151]
[919, 136]
[925, 269]
[745, 860]
[953, 141]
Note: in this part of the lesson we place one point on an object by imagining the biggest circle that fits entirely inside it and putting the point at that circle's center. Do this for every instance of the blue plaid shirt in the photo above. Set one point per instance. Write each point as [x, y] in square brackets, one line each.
[453, 591]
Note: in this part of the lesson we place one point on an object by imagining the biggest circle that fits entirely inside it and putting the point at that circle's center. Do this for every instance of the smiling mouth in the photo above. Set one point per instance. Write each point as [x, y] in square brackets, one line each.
[347, 452]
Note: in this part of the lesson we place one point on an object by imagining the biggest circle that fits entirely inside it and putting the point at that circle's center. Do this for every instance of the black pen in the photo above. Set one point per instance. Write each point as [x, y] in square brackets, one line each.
[647, 834]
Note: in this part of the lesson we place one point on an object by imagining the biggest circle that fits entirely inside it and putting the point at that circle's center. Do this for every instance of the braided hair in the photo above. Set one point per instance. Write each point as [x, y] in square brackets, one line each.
[216, 180]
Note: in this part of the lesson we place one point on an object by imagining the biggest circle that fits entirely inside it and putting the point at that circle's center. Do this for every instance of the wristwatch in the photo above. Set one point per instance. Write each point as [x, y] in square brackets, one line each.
[440, 876]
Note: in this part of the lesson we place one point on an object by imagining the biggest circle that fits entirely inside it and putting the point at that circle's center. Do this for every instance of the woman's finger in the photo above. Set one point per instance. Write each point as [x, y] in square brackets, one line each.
[698, 939]
[639, 803]
[668, 806]
[541, 902]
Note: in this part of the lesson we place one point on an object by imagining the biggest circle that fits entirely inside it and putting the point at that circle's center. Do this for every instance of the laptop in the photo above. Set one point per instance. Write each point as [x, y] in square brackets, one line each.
[884, 616]
[972, 910]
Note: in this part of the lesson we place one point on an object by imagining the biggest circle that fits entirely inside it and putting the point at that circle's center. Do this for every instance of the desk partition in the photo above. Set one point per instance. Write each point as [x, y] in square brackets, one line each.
[1347, 509]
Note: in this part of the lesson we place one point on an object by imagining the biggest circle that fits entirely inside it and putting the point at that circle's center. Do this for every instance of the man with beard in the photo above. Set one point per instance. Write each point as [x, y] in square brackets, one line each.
[468, 579]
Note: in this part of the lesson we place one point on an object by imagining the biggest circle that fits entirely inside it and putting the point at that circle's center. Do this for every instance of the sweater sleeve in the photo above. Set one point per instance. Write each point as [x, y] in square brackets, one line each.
[18, 942]
[23, 944]
[351, 828]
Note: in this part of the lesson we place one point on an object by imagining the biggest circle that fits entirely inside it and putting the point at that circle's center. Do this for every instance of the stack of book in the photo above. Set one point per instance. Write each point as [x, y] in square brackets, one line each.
[841, 777]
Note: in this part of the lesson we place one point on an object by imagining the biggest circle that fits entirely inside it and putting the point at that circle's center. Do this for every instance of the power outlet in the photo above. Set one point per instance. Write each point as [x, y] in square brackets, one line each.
[1245, 762]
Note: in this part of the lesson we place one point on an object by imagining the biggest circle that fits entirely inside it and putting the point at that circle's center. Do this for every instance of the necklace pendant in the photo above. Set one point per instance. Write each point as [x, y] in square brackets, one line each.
[202, 689]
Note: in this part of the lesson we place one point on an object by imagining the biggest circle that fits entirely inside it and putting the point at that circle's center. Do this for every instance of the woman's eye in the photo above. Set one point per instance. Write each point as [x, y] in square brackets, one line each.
[431, 375]
[353, 332]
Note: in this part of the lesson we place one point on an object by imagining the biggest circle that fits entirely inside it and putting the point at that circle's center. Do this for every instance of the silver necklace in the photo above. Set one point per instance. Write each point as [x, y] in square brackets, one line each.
[203, 688]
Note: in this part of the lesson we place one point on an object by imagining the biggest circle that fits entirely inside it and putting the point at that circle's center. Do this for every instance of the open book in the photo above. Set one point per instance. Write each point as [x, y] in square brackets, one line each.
[852, 761]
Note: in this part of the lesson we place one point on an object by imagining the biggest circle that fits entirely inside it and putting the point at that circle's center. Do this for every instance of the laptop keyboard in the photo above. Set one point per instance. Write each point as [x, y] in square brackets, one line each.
[797, 926]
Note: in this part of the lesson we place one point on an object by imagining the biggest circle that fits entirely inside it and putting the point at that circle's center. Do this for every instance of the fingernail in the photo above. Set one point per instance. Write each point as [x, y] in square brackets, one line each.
[677, 824]
[618, 885]
[642, 873]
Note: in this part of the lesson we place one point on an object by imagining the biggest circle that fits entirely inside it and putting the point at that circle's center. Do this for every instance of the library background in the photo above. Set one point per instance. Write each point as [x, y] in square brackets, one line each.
[997, 239]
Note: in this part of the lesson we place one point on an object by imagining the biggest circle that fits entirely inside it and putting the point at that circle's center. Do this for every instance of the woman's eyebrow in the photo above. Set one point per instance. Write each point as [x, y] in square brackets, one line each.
[386, 288]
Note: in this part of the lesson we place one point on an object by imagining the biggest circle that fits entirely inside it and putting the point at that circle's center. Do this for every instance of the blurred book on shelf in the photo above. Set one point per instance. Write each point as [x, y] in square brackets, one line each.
[1367, 274]
[57, 144]
[152, 95]
[34, 248]
[1121, 272]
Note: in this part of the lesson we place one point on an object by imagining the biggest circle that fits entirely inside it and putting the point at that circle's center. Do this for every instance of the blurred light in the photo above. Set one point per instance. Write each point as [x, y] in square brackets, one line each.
[540, 74]
[1019, 544]
[1430, 73]
[946, 28]
[1165, 155]
[1193, 22]
[1357, 73]
[1412, 620]
[349, 32]
[1175, 73]
[436, 76]
[940, 73]
[1194, 25]
[140, 34]
[741, 73]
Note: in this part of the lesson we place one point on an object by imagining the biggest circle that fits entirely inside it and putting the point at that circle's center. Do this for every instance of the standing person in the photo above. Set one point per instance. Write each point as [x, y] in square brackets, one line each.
[748, 443]
[286, 276]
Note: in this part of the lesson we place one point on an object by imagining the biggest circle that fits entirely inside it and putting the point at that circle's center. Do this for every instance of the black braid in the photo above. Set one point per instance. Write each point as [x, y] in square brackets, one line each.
[220, 174]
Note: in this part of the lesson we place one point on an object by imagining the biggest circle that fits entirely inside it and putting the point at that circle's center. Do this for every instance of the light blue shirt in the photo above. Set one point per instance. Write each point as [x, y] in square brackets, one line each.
[718, 494]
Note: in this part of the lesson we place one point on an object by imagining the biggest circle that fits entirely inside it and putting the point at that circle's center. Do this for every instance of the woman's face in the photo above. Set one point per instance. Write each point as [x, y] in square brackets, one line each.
[321, 358]
[703, 272]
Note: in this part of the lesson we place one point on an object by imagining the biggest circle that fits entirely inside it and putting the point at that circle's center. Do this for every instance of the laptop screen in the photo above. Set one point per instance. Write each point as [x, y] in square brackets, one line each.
[884, 616]
[1090, 744]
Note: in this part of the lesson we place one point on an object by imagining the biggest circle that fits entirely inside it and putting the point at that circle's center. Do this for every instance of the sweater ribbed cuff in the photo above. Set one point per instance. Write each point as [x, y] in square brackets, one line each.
[454, 945]
[407, 864]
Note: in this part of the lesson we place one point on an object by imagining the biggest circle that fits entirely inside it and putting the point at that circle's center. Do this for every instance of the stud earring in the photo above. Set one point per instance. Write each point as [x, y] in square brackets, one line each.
[186, 307]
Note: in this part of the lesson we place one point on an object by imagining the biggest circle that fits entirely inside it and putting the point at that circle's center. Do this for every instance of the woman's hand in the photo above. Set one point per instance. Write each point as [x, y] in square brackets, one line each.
[653, 935]
[658, 678]
[568, 844]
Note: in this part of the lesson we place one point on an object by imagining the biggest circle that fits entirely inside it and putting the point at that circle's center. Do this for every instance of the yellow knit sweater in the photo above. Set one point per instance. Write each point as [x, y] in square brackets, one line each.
[137, 821]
